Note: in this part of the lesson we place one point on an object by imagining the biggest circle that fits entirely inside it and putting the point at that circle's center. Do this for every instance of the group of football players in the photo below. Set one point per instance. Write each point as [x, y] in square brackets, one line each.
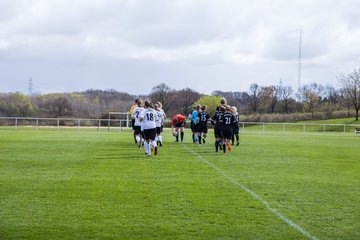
[147, 123]
[148, 120]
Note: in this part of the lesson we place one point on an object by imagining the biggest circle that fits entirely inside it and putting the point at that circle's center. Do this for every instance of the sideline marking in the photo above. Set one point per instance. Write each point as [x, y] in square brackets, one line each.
[256, 196]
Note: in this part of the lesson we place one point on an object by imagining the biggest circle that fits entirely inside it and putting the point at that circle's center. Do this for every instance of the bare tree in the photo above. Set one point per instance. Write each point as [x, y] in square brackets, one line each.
[162, 93]
[58, 106]
[311, 95]
[269, 98]
[345, 101]
[275, 91]
[351, 86]
[330, 101]
[233, 99]
[254, 95]
[285, 95]
[183, 101]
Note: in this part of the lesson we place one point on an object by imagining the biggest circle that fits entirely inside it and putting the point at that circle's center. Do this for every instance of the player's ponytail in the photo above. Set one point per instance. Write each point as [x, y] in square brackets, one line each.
[147, 104]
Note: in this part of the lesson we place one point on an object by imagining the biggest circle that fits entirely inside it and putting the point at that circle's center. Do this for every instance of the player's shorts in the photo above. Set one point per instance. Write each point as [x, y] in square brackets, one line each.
[150, 134]
[236, 129]
[133, 124]
[180, 124]
[227, 132]
[137, 129]
[192, 126]
[202, 128]
[217, 131]
[158, 130]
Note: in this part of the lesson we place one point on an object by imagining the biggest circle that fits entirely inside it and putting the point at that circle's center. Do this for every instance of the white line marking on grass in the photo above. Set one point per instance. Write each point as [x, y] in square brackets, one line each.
[256, 196]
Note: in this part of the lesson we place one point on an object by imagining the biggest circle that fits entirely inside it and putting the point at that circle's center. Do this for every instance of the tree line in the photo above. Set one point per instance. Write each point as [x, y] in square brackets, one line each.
[259, 103]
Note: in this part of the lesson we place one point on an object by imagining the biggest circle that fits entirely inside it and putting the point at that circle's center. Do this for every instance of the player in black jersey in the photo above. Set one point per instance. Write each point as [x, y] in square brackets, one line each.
[227, 124]
[217, 121]
[201, 126]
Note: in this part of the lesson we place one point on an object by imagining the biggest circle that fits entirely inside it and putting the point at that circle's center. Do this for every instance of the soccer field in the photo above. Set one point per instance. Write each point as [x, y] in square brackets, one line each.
[84, 184]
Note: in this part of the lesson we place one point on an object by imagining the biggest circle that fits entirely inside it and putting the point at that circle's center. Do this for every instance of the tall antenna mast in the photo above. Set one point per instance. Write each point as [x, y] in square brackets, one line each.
[299, 69]
[30, 88]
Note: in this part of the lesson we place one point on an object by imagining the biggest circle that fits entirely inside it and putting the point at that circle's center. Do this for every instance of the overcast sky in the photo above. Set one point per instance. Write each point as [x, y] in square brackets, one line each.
[206, 45]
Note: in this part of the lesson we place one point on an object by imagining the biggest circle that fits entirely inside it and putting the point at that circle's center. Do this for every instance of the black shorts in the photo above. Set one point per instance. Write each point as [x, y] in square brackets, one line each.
[137, 129]
[227, 132]
[180, 124]
[150, 134]
[158, 130]
[236, 129]
[133, 124]
[217, 131]
[202, 128]
[192, 126]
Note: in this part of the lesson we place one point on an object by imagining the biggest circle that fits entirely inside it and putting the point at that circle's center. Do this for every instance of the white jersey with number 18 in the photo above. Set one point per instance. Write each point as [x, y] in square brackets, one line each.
[149, 117]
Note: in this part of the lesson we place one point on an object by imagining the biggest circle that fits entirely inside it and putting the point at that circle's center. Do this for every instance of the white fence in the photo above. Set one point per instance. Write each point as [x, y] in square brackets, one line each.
[261, 127]
[64, 122]
[120, 124]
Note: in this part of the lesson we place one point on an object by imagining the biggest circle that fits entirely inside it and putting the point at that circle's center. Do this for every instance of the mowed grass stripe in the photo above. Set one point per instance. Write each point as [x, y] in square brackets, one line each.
[312, 179]
[252, 193]
[124, 194]
[86, 184]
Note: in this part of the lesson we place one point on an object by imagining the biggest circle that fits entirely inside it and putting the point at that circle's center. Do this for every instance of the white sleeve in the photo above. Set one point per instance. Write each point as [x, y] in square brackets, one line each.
[133, 113]
[142, 114]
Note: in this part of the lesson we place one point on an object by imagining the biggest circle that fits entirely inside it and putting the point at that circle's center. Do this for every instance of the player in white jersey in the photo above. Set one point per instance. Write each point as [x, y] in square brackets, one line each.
[163, 112]
[132, 119]
[236, 127]
[148, 119]
[137, 124]
[159, 123]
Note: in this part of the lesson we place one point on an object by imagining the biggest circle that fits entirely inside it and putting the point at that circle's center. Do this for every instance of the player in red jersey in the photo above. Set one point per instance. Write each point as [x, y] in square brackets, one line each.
[178, 123]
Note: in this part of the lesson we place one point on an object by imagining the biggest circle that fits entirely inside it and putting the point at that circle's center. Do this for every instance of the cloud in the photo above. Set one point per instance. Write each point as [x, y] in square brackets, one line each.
[203, 41]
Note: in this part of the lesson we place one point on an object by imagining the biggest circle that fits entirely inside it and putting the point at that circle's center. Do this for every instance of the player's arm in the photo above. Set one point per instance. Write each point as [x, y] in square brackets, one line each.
[141, 116]
[172, 125]
[132, 110]
[174, 121]
[183, 121]
[132, 114]
[157, 117]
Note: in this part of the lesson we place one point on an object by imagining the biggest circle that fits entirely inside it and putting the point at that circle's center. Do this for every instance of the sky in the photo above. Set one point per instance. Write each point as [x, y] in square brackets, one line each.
[206, 45]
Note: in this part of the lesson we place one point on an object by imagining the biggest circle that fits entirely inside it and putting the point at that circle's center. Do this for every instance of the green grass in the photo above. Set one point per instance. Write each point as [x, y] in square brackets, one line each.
[341, 125]
[69, 184]
[334, 121]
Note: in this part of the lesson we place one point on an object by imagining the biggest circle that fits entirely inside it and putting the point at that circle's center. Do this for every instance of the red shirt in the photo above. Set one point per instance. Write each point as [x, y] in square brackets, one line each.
[180, 118]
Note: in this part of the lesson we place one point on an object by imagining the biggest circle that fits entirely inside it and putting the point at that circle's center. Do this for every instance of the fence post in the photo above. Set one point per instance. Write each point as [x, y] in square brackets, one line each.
[16, 123]
[109, 123]
[127, 120]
